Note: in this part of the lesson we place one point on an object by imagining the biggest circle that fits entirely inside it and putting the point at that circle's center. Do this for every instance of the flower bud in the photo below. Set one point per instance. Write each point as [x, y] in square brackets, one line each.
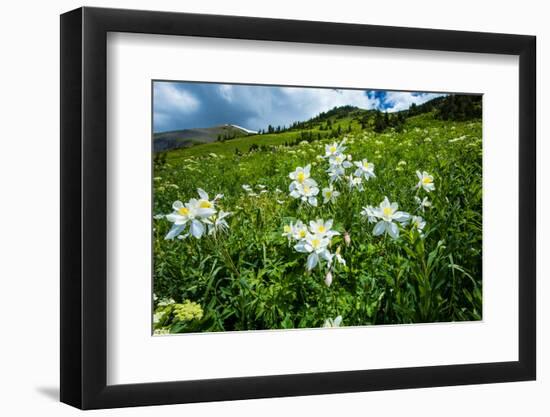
[347, 239]
[328, 278]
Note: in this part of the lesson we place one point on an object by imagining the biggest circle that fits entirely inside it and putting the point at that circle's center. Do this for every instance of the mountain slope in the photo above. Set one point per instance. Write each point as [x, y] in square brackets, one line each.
[165, 141]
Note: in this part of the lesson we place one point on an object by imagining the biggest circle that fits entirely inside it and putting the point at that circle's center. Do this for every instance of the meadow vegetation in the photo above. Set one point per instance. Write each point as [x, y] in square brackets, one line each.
[336, 221]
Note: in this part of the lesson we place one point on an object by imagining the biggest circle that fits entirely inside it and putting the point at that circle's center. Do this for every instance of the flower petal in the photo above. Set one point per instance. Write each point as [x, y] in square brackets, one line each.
[401, 216]
[301, 247]
[312, 260]
[174, 231]
[379, 228]
[197, 228]
[393, 230]
[202, 193]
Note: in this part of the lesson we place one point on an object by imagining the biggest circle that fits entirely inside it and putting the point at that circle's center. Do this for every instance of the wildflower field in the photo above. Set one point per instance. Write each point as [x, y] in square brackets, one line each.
[366, 228]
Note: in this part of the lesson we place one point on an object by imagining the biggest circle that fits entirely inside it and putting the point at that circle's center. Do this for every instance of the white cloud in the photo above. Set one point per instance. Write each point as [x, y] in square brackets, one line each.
[315, 101]
[284, 105]
[226, 91]
[396, 101]
[169, 98]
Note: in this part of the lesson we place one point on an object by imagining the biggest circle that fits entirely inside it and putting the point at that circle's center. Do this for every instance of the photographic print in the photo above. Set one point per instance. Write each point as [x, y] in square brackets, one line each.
[278, 207]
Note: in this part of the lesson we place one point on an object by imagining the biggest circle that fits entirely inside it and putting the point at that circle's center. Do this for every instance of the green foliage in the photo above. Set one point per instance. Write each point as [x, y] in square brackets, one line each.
[252, 278]
[460, 107]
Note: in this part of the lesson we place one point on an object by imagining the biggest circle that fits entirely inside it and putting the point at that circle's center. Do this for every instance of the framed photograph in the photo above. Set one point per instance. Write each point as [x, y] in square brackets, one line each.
[256, 208]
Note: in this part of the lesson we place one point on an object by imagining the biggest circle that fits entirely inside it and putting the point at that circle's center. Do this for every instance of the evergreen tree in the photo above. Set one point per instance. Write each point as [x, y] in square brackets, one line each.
[379, 122]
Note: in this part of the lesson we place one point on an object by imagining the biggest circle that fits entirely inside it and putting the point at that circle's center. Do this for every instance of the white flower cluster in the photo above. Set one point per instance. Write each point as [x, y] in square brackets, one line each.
[387, 217]
[339, 162]
[200, 214]
[303, 186]
[314, 240]
[250, 191]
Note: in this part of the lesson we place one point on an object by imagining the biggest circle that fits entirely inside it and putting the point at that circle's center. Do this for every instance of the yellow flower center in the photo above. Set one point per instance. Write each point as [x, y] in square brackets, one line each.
[184, 211]
[302, 234]
[332, 149]
[205, 204]
[387, 211]
[322, 229]
[427, 180]
[307, 189]
[366, 165]
[286, 229]
[315, 243]
[301, 177]
[328, 194]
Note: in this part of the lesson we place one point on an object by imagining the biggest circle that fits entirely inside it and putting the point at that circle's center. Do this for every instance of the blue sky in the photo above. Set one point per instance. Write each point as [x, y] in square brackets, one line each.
[184, 105]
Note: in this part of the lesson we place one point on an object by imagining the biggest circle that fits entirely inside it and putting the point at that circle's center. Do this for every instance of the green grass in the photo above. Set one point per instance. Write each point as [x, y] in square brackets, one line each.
[243, 143]
[252, 278]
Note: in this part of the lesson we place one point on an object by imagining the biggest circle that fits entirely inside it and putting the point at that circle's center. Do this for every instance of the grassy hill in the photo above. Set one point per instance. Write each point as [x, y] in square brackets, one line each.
[333, 123]
[175, 139]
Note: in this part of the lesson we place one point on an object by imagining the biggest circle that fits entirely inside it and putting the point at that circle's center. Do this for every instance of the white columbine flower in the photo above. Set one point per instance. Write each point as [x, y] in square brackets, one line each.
[329, 194]
[333, 323]
[247, 188]
[322, 228]
[422, 203]
[365, 169]
[370, 213]
[300, 175]
[340, 160]
[297, 231]
[182, 214]
[335, 172]
[418, 223]
[316, 246]
[387, 213]
[307, 191]
[194, 212]
[334, 149]
[355, 182]
[426, 181]
[218, 223]
[204, 204]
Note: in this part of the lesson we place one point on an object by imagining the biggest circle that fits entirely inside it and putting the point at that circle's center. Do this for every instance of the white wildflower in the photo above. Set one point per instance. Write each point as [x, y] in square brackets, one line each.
[426, 181]
[329, 194]
[333, 323]
[370, 213]
[316, 246]
[387, 213]
[365, 169]
[422, 203]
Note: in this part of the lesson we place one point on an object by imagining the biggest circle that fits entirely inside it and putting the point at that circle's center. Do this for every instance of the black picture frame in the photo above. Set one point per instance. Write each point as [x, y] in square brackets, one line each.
[84, 207]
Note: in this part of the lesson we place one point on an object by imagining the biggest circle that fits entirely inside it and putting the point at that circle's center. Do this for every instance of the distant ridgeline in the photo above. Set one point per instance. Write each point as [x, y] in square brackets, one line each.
[165, 141]
[332, 123]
